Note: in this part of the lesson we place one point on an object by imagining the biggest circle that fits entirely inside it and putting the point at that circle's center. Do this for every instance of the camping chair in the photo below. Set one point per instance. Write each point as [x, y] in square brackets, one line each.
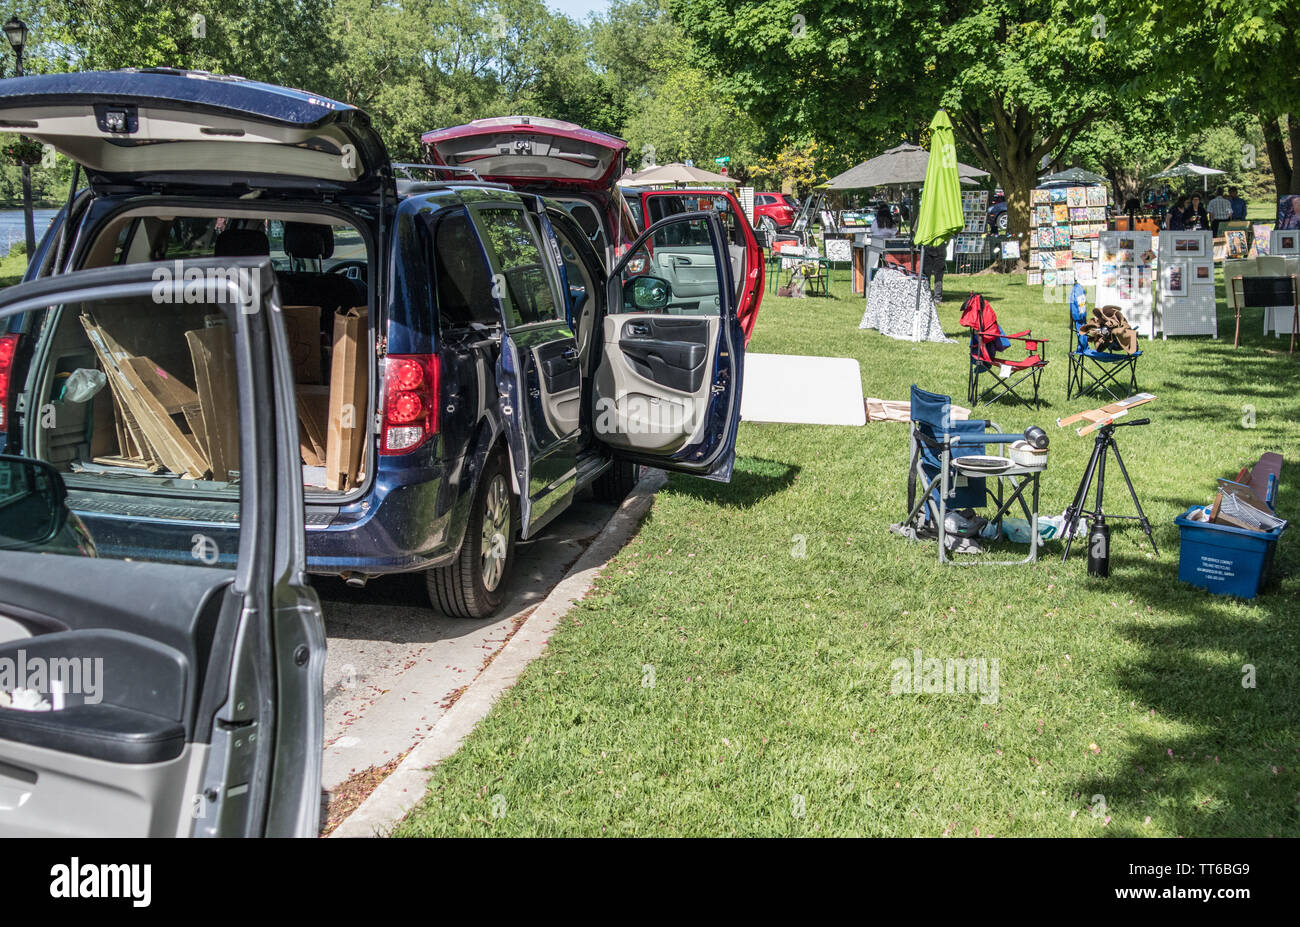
[986, 339]
[1104, 370]
[938, 444]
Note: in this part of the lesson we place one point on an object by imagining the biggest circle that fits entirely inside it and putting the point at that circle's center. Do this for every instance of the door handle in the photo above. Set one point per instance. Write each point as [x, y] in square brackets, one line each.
[637, 328]
[570, 354]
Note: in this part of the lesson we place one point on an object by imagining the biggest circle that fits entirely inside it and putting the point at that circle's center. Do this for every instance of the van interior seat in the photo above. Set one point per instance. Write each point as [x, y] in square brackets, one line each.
[241, 243]
[312, 241]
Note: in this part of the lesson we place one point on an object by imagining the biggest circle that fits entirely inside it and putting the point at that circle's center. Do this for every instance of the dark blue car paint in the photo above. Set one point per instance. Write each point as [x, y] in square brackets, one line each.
[413, 511]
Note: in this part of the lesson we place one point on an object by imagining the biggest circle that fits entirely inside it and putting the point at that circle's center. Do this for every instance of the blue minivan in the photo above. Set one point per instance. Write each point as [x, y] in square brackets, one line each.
[464, 361]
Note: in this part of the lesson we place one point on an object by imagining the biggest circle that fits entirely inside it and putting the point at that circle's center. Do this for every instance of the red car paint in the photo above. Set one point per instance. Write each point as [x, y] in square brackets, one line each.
[649, 206]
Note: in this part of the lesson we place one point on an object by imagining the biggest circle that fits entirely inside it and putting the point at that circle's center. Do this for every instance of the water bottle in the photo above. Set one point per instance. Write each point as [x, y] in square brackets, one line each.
[1099, 549]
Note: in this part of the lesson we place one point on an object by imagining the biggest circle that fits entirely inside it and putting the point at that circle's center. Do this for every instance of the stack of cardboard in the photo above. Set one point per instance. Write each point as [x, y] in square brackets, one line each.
[161, 424]
[159, 421]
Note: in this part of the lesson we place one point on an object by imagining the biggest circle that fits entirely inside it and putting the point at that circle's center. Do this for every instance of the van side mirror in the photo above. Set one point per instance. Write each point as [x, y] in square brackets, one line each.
[33, 507]
[646, 294]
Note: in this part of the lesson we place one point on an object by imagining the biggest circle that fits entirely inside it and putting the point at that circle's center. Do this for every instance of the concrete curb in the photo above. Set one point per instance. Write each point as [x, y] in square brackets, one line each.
[405, 786]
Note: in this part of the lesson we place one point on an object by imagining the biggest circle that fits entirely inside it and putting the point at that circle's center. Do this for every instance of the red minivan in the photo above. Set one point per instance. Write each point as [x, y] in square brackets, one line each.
[649, 206]
[580, 168]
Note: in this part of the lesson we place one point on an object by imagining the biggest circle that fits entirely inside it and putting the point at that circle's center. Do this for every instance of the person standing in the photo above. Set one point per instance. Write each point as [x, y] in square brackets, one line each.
[1237, 203]
[1195, 217]
[1176, 220]
[1219, 210]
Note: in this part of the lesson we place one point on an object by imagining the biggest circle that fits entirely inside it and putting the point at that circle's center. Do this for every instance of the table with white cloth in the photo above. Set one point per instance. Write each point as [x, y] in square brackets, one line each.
[892, 308]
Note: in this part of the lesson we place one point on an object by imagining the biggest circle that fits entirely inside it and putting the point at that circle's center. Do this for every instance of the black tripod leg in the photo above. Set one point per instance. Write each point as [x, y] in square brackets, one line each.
[1142, 517]
[1076, 507]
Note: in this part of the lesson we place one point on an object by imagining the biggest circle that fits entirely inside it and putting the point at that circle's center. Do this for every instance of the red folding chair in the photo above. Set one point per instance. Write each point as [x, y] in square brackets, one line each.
[987, 340]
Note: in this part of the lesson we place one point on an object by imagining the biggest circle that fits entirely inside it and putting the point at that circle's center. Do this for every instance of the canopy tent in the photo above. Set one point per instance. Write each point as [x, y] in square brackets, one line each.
[903, 166]
[1188, 170]
[676, 173]
[1074, 176]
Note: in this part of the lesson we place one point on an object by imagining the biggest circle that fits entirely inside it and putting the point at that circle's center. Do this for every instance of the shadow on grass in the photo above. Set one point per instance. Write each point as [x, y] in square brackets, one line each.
[753, 480]
[1235, 772]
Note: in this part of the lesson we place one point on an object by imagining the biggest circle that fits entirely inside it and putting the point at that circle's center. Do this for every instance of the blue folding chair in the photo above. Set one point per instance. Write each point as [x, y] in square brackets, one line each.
[1091, 370]
[938, 445]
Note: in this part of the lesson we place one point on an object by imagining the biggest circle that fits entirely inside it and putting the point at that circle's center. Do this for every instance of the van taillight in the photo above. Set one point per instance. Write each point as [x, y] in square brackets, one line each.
[8, 348]
[410, 402]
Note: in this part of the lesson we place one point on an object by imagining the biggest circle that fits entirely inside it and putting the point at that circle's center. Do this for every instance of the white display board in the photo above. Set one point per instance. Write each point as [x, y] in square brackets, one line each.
[746, 197]
[1125, 277]
[1284, 241]
[802, 390]
[1185, 296]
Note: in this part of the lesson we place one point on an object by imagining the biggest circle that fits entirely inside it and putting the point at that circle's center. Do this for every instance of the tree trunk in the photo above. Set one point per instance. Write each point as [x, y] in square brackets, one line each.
[1277, 156]
[1293, 130]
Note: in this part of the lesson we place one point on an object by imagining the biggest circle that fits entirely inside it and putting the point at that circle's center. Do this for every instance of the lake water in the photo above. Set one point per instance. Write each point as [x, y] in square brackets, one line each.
[11, 226]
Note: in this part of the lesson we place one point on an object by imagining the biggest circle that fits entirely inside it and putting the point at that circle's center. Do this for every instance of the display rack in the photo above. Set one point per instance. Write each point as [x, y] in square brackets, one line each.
[1186, 295]
[1126, 268]
[1065, 222]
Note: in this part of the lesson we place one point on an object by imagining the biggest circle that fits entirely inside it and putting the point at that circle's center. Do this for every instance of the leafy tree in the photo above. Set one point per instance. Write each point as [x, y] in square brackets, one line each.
[1238, 53]
[1022, 80]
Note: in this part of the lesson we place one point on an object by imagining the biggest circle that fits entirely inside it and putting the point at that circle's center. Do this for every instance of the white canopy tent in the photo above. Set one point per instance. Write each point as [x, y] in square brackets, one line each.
[1189, 170]
[676, 173]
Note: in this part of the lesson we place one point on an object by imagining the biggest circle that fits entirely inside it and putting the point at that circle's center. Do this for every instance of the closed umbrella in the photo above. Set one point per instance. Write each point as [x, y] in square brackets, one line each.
[940, 216]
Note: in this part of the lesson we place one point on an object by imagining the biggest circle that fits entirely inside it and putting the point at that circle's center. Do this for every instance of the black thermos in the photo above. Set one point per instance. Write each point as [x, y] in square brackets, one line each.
[1099, 548]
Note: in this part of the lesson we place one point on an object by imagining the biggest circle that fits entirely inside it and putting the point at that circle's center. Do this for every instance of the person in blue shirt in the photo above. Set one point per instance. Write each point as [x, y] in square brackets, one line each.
[1237, 203]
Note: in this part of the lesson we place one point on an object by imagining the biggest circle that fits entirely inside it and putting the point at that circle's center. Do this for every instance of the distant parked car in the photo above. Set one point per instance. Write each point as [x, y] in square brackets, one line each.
[772, 212]
[998, 216]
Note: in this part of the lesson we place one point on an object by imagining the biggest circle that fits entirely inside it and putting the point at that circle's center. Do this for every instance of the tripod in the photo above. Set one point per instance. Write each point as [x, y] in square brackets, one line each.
[1104, 441]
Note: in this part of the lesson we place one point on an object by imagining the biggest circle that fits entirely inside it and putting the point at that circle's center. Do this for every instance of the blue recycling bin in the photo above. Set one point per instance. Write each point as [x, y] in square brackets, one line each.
[1223, 559]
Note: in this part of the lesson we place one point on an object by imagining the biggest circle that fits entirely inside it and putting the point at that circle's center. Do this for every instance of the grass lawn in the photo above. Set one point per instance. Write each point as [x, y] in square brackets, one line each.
[732, 672]
[12, 268]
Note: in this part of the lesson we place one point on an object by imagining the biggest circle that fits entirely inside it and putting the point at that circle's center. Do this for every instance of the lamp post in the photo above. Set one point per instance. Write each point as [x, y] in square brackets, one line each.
[16, 33]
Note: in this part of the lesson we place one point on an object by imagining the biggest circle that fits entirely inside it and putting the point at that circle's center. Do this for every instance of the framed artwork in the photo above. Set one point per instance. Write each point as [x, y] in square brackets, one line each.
[1076, 196]
[1175, 278]
[1034, 277]
[1236, 243]
[1261, 238]
[1097, 196]
[1202, 272]
[1287, 242]
[1126, 244]
[1188, 247]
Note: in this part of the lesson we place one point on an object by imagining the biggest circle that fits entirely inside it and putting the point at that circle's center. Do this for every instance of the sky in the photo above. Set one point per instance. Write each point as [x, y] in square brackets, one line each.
[578, 9]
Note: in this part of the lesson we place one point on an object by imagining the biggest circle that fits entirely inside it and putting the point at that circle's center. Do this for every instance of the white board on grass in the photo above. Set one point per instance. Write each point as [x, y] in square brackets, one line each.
[802, 390]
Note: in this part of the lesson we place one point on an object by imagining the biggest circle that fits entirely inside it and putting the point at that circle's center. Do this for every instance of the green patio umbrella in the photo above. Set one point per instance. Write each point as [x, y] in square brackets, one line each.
[939, 217]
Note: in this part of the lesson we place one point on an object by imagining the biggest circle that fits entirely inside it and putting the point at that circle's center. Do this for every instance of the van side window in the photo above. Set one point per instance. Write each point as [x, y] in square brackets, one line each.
[462, 281]
[526, 295]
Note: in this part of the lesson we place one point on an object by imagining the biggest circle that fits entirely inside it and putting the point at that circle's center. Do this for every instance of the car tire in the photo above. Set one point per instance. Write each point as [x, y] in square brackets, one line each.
[614, 484]
[470, 587]
[769, 224]
[1002, 222]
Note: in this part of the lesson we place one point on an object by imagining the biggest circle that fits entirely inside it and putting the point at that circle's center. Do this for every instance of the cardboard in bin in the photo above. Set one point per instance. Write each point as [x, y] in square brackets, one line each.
[349, 376]
[1222, 559]
[302, 327]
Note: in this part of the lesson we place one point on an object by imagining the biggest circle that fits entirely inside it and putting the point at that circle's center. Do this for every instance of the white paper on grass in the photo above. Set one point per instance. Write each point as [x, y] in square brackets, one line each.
[802, 390]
